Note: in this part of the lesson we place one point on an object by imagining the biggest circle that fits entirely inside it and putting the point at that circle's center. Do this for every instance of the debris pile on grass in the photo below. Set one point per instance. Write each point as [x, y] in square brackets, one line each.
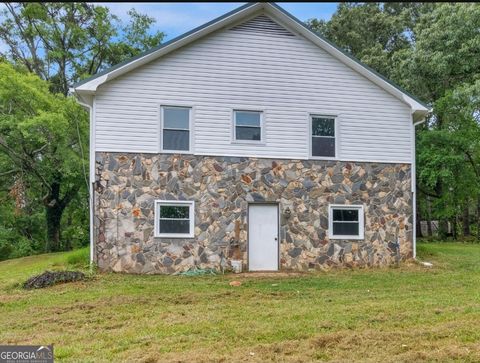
[49, 278]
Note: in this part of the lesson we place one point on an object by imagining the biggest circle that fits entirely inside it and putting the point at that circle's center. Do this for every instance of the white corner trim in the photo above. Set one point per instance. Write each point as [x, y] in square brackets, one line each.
[361, 221]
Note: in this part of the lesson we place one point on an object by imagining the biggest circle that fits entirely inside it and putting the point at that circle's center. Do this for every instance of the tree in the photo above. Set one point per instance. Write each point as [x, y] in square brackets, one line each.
[41, 136]
[432, 51]
[373, 32]
[461, 117]
[442, 69]
[65, 42]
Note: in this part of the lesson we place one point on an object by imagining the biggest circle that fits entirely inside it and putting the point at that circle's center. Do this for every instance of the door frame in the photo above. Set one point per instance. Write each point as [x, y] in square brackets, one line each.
[278, 232]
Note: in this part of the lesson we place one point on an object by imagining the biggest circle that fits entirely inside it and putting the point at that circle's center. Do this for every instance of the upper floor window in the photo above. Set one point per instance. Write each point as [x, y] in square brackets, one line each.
[345, 222]
[247, 125]
[175, 128]
[322, 136]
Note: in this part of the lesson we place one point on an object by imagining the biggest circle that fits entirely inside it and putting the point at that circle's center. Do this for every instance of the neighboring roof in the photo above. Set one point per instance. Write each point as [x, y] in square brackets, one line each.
[89, 85]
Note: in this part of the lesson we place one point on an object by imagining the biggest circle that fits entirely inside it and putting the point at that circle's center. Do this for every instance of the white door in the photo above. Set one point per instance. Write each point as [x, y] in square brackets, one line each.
[263, 237]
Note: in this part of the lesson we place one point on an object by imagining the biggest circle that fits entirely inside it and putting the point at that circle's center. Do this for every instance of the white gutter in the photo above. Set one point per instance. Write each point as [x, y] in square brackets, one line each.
[91, 111]
[414, 189]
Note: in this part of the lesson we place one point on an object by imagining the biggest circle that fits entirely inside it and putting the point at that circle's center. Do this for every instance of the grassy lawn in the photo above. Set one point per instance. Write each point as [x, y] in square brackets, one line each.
[410, 313]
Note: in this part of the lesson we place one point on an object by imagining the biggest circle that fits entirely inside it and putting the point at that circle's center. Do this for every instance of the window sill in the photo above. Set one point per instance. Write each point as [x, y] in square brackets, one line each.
[323, 158]
[174, 235]
[347, 237]
[176, 152]
[246, 142]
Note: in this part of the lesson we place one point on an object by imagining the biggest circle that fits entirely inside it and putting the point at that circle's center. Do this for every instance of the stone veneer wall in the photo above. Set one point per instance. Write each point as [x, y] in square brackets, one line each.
[127, 185]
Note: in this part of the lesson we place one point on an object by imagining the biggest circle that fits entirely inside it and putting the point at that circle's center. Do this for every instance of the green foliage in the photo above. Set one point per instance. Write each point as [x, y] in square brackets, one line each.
[445, 53]
[43, 133]
[64, 42]
[41, 150]
[372, 32]
[432, 50]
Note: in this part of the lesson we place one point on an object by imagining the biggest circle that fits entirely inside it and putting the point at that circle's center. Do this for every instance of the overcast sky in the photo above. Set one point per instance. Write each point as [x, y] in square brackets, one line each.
[177, 18]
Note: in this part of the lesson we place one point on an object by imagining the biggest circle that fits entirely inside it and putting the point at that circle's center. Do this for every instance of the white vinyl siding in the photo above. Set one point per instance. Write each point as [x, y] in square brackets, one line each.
[287, 77]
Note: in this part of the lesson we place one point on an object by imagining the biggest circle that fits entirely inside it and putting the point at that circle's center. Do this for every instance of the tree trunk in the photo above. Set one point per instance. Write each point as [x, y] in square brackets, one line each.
[454, 228]
[429, 218]
[54, 208]
[54, 217]
[466, 220]
[419, 226]
[478, 218]
[443, 228]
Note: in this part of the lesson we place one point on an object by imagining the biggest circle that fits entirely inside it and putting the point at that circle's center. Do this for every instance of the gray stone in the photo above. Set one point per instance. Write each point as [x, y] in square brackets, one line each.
[138, 166]
[308, 184]
[257, 197]
[295, 252]
[127, 185]
[167, 261]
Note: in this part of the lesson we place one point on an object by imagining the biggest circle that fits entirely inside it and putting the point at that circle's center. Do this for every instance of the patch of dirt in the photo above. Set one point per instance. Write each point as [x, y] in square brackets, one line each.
[50, 278]
[270, 274]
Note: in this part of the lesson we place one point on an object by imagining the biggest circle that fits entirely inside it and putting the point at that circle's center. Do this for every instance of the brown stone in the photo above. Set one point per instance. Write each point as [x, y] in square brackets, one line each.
[246, 179]
[135, 249]
[136, 212]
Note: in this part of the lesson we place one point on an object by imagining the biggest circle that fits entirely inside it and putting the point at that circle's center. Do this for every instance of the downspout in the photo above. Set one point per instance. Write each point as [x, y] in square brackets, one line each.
[414, 188]
[91, 179]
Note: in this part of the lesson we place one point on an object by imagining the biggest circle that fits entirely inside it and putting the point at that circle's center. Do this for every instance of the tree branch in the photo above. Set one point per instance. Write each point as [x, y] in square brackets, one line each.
[22, 161]
[13, 171]
[430, 194]
[474, 165]
[69, 195]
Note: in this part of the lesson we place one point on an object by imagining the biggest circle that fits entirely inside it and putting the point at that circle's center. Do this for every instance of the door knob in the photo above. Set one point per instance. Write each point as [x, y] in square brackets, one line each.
[276, 239]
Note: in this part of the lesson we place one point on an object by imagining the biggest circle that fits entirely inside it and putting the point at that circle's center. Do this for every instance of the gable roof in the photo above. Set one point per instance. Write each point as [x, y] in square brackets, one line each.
[89, 85]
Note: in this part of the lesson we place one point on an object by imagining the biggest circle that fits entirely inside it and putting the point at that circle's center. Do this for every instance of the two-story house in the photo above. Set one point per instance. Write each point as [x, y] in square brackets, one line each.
[249, 137]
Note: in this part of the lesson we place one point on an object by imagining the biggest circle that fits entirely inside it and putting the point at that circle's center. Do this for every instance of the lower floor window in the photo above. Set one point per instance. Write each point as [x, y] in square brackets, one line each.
[345, 222]
[174, 218]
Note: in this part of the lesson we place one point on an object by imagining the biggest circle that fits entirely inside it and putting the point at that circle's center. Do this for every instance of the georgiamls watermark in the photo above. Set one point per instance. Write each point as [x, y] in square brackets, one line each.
[26, 353]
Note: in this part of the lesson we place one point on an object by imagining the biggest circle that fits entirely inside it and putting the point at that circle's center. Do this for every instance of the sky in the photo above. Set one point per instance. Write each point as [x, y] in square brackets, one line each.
[175, 19]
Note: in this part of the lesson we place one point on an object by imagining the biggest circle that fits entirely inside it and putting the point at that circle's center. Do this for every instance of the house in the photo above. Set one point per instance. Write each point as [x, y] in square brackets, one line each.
[250, 137]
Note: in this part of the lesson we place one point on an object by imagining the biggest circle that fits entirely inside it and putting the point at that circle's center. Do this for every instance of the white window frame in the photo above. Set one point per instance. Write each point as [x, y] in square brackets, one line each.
[234, 124]
[175, 203]
[190, 131]
[361, 221]
[310, 136]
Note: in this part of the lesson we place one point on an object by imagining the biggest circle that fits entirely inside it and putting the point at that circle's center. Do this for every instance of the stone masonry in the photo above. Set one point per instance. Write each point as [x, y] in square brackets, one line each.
[222, 187]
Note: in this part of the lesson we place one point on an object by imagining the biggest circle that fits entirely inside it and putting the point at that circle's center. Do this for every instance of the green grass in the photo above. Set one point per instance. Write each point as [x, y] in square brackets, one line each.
[404, 314]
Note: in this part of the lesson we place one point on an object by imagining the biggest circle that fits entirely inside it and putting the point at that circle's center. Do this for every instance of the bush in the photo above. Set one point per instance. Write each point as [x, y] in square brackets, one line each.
[23, 247]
